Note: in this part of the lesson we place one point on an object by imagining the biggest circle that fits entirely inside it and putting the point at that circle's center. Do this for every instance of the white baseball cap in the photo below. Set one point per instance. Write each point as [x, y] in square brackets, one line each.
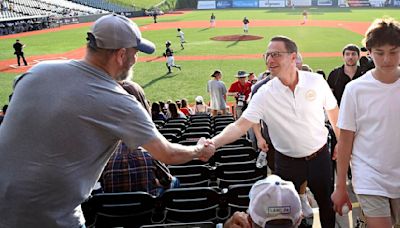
[272, 199]
[115, 31]
[199, 99]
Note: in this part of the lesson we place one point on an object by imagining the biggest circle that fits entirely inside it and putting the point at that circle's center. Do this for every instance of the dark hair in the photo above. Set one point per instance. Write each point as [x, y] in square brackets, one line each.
[155, 109]
[351, 47]
[4, 109]
[382, 31]
[321, 72]
[184, 103]
[173, 110]
[290, 45]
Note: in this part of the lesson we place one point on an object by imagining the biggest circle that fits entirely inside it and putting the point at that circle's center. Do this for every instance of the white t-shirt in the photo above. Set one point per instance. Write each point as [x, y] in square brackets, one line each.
[296, 121]
[371, 109]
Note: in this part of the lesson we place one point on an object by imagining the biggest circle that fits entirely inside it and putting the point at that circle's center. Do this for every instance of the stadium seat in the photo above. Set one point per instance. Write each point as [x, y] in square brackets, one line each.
[177, 120]
[179, 125]
[197, 204]
[198, 129]
[200, 120]
[127, 209]
[195, 136]
[238, 173]
[237, 197]
[159, 122]
[191, 175]
[200, 124]
[182, 225]
[176, 131]
[235, 154]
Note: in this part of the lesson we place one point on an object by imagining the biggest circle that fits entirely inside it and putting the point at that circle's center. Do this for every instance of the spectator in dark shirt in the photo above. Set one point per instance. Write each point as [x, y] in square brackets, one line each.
[340, 76]
[156, 113]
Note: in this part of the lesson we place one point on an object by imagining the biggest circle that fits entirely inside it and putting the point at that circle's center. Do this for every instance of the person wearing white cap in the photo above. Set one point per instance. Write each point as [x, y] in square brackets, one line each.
[200, 107]
[50, 160]
[241, 90]
[274, 203]
[292, 104]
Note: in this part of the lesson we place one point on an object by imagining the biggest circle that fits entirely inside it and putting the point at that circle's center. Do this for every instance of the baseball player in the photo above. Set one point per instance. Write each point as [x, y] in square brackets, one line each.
[246, 25]
[212, 20]
[181, 36]
[305, 16]
[169, 54]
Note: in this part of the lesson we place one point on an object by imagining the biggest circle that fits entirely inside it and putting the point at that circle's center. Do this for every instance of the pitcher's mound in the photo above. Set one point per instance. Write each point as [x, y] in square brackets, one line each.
[236, 38]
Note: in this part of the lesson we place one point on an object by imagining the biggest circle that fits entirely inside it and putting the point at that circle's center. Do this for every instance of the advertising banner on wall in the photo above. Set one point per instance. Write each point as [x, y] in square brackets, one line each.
[271, 3]
[325, 2]
[245, 4]
[206, 5]
[221, 4]
[302, 2]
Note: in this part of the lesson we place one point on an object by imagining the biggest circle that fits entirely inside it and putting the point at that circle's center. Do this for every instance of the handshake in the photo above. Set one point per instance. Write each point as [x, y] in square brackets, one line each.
[205, 149]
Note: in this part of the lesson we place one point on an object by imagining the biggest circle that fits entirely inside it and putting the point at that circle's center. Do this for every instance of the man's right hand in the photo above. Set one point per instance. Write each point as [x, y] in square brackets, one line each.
[262, 144]
[207, 149]
[339, 198]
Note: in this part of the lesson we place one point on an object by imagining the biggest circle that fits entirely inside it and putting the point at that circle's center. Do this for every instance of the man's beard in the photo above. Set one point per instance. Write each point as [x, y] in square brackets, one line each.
[126, 75]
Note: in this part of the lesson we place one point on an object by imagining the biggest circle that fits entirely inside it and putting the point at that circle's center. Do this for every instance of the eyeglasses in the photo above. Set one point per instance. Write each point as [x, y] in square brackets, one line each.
[275, 54]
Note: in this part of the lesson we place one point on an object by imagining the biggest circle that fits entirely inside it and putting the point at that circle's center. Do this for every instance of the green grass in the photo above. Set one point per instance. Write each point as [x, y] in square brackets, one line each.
[6, 81]
[48, 43]
[192, 80]
[199, 42]
[344, 14]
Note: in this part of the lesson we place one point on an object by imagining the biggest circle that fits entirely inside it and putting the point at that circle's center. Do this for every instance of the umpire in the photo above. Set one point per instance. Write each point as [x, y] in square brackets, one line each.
[18, 46]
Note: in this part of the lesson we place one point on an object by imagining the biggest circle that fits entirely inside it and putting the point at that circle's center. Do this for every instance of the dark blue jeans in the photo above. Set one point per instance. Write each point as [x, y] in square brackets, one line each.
[318, 173]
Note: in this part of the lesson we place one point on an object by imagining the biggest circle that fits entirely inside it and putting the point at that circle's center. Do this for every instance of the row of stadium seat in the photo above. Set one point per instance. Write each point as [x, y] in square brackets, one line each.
[134, 209]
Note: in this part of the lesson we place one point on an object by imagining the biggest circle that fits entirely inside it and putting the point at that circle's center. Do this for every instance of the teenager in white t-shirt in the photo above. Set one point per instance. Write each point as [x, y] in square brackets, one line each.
[369, 124]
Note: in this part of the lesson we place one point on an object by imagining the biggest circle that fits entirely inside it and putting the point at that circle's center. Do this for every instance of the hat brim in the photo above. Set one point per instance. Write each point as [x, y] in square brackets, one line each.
[146, 46]
[242, 76]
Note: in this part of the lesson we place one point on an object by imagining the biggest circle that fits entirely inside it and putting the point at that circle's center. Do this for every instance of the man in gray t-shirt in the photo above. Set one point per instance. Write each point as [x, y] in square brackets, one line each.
[217, 90]
[65, 120]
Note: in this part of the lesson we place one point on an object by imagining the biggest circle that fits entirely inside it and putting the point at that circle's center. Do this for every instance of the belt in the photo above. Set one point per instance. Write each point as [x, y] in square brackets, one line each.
[307, 158]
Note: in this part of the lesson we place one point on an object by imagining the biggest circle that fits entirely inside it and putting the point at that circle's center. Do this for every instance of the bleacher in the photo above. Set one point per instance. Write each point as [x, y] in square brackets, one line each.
[104, 5]
[57, 8]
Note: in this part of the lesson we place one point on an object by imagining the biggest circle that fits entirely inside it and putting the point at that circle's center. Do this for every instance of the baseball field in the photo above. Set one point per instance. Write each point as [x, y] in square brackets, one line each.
[320, 41]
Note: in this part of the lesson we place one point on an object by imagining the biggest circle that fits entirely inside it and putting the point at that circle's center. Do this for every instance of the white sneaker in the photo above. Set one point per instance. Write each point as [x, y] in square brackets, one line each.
[305, 206]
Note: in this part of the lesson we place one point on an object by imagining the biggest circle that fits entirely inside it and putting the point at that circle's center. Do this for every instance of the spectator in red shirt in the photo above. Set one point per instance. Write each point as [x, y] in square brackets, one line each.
[240, 90]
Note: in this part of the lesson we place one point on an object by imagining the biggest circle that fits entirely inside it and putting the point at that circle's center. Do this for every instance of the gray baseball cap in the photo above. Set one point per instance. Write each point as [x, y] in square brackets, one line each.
[115, 31]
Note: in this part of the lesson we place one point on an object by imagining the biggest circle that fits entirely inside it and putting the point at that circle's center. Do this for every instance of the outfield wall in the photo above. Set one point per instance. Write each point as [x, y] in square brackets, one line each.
[223, 4]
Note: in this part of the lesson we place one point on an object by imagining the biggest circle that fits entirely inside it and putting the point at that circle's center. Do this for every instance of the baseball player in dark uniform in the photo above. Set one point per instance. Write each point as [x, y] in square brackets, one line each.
[169, 54]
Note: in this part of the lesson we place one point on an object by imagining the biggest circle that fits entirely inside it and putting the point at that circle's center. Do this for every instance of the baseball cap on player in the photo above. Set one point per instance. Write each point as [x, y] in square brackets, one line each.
[274, 199]
[115, 31]
[241, 74]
